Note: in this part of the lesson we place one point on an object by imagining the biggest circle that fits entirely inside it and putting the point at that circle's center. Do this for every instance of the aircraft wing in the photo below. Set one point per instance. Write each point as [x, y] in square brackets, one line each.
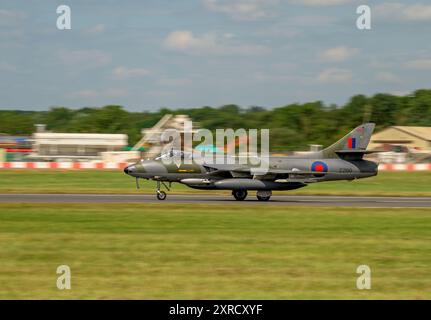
[295, 175]
[301, 176]
[259, 171]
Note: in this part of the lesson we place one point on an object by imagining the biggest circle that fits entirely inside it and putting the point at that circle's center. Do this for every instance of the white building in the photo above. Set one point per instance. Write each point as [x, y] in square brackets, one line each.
[75, 146]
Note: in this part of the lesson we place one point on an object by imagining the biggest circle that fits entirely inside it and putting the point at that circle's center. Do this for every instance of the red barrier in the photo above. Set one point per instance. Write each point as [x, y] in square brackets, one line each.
[121, 165]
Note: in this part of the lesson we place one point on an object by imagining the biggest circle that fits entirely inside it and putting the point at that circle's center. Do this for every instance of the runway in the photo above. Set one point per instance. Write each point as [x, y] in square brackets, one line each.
[278, 200]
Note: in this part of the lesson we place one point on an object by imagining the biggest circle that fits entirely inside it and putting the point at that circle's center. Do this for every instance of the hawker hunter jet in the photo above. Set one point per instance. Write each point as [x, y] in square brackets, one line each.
[341, 161]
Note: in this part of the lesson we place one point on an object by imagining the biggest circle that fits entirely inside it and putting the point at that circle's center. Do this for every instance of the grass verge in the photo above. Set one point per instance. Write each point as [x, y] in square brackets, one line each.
[178, 251]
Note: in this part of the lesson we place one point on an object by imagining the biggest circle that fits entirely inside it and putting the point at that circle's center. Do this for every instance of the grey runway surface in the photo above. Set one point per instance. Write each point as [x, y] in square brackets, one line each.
[278, 200]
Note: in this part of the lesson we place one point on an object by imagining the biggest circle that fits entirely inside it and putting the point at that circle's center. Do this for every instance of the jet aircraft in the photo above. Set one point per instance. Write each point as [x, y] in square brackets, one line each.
[343, 160]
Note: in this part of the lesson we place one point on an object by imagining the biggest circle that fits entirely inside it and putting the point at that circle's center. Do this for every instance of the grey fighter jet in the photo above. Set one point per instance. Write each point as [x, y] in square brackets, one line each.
[341, 161]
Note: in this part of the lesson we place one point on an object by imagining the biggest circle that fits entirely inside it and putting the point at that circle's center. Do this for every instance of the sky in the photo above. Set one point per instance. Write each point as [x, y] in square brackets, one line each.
[149, 54]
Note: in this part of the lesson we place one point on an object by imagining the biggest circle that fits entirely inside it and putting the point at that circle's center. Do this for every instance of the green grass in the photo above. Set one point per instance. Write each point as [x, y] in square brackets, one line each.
[153, 251]
[88, 181]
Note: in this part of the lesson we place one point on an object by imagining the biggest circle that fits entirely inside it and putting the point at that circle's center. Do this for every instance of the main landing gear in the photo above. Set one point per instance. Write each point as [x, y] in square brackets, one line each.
[264, 195]
[239, 194]
[161, 195]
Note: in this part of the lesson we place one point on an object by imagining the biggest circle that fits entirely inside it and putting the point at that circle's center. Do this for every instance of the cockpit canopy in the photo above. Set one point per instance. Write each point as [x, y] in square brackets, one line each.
[175, 154]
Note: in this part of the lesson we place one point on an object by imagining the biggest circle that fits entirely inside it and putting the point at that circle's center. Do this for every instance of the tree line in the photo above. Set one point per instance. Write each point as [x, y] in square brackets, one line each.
[292, 126]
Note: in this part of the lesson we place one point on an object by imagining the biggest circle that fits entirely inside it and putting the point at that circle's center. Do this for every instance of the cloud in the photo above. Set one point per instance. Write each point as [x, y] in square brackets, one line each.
[312, 21]
[338, 54]
[7, 67]
[12, 29]
[252, 10]
[400, 93]
[85, 58]
[173, 82]
[277, 78]
[335, 75]
[104, 93]
[321, 3]
[242, 9]
[125, 73]
[388, 77]
[181, 40]
[400, 11]
[419, 64]
[11, 18]
[295, 26]
[95, 30]
[160, 93]
[185, 41]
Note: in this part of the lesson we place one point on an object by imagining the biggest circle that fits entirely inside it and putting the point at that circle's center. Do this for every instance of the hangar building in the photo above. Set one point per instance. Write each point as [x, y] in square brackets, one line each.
[403, 144]
[418, 138]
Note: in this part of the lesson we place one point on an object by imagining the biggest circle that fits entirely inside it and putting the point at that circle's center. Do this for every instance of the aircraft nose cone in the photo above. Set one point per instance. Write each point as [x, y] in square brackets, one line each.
[129, 169]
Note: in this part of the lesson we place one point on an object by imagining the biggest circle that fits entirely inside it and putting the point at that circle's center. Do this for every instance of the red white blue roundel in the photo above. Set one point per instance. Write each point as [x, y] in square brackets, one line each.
[319, 166]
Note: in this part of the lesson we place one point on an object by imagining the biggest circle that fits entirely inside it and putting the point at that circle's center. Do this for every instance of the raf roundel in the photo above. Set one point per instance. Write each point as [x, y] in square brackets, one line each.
[319, 166]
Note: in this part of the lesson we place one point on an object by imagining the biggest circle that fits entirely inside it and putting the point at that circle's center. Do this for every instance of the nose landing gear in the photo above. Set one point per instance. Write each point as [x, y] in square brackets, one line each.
[161, 195]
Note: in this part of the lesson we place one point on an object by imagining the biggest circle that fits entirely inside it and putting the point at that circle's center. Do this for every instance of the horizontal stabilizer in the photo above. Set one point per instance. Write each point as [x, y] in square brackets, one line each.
[341, 152]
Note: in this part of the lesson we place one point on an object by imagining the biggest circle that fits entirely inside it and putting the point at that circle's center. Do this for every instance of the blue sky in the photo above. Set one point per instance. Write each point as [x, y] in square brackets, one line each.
[150, 54]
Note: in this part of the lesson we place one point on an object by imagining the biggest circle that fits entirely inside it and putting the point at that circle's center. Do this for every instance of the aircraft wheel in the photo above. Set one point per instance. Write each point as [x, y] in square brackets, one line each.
[161, 195]
[239, 194]
[263, 195]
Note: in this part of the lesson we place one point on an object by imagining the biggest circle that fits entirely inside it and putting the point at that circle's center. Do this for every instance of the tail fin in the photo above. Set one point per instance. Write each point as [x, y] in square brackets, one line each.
[355, 142]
